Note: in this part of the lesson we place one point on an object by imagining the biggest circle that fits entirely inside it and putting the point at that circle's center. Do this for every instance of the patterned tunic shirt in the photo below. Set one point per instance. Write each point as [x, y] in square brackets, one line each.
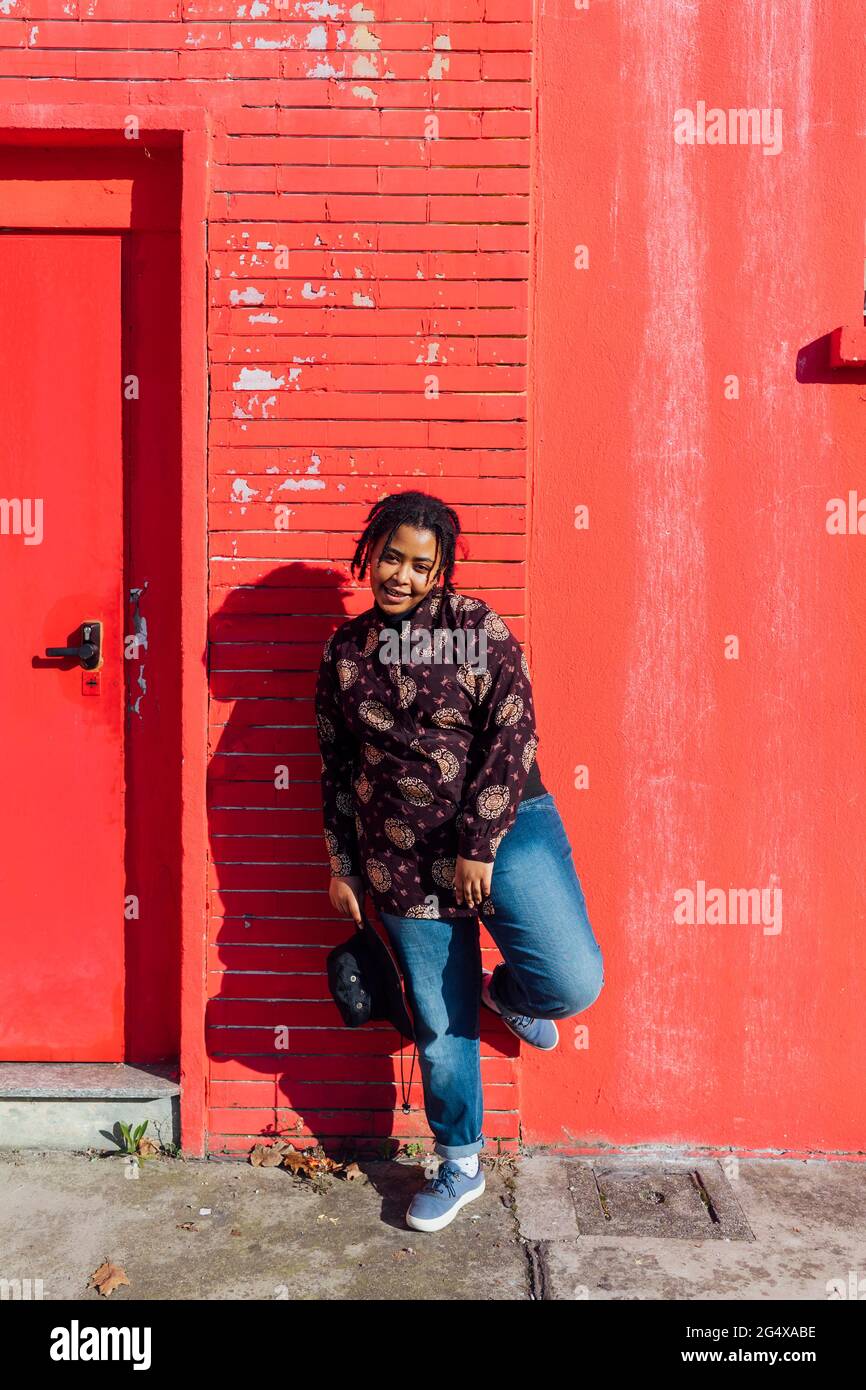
[426, 727]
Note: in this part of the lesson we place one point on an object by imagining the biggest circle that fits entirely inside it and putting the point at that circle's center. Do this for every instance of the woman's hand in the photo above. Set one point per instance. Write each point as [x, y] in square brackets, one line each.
[472, 881]
[346, 893]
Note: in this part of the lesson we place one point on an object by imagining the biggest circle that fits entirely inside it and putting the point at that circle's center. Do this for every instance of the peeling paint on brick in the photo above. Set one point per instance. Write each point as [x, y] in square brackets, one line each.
[256, 378]
[364, 39]
[248, 296]
[242, 492]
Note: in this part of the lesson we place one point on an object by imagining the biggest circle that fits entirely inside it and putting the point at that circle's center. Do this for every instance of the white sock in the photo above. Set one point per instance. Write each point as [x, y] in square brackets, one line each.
[490, 997]
[467, 1165]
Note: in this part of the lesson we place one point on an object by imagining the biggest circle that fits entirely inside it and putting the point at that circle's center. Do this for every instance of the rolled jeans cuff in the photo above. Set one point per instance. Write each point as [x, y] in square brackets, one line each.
[458, 1150]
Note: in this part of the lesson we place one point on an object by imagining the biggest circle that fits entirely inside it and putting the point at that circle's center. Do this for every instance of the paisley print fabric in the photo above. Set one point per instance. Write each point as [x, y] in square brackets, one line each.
[426, 747]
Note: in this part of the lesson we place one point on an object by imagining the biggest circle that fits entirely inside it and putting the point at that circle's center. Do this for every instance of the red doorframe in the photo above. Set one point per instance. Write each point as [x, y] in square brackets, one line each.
[101, 125]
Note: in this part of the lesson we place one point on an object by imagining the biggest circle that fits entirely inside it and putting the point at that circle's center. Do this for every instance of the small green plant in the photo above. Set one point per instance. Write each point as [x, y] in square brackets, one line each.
[414, 1148]
[132, 1139]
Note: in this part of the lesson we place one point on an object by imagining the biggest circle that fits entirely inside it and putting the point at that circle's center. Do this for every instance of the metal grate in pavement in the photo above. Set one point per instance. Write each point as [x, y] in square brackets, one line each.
[663, 1200]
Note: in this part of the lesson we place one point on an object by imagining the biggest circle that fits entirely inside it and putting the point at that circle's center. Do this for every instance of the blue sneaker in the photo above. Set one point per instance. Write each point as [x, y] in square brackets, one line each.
[538, 1032]
[439, 1200]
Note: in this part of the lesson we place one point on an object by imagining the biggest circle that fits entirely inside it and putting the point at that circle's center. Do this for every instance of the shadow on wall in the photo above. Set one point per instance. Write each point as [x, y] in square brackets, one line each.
[814, 366]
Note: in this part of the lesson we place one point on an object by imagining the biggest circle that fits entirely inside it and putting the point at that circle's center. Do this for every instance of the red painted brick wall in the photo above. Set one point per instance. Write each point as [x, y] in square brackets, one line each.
[367, 271]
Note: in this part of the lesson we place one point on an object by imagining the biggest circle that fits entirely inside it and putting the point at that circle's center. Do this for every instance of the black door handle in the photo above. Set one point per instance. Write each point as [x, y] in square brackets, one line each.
[89, 653]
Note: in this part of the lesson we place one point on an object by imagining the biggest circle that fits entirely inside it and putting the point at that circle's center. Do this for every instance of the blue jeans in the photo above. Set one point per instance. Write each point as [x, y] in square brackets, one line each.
[552, 967]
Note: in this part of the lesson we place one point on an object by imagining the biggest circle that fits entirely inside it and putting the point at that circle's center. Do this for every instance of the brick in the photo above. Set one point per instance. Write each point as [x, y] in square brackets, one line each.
[122, 65]
[506, 67]
[30, 62]
[14, 33]
[328, 179]
[229, 63]
[481, 95]
[165, 10]
[498, 125]
[452, 181]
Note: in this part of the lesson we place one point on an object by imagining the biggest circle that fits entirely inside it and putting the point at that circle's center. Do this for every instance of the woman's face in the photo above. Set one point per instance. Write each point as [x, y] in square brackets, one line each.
[402, 572]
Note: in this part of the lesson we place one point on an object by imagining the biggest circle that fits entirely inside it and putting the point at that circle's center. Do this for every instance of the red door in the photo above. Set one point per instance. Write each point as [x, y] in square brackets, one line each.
[61, 565]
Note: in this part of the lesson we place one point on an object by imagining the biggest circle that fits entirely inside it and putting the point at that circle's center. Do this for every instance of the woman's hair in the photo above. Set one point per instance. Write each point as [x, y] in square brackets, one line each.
[417, 509]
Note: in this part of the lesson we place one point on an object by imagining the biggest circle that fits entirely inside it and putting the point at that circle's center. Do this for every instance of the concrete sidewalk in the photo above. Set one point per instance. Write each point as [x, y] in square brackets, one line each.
[548, 1228]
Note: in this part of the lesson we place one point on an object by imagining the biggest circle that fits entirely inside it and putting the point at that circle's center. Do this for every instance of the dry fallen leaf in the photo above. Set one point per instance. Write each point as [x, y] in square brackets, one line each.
[271, 1158]
[148, 1148]
[294, 1160]
[307, 1163]
[266, 1156]
[353, 1173]
[107, 1278]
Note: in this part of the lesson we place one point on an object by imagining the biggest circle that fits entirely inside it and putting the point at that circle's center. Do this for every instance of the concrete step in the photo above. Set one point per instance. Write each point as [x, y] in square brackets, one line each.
[77, 1105]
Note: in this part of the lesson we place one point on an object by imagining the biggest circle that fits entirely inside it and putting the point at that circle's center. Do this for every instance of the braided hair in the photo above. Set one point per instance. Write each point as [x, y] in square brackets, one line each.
[418, 509]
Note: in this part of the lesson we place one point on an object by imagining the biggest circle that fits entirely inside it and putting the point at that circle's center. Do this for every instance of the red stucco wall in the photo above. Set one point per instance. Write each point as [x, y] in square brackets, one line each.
[707, 519]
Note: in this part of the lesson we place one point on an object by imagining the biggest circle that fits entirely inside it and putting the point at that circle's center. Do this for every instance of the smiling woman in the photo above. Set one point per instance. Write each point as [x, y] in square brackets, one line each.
[426, 763]
[439, 754]
[442, 756]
